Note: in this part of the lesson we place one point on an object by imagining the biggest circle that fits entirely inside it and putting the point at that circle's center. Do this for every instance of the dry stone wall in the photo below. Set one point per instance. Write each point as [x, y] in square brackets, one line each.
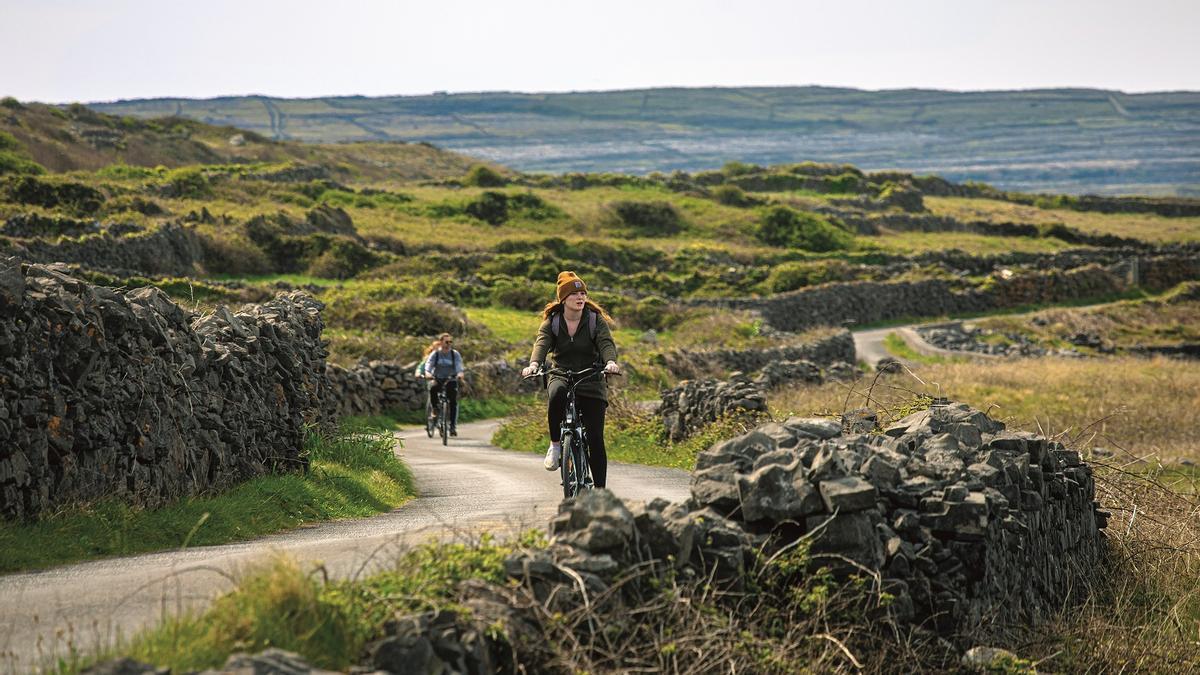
[976, 529]
[167, 250]
[970, 529]
[824, 351]
[125, 394]
[373, 387]
[695, 404]
[869, 302]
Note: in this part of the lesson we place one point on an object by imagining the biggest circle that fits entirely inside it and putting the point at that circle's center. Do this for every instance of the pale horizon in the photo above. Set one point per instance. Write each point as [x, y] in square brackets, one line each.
[76, 50]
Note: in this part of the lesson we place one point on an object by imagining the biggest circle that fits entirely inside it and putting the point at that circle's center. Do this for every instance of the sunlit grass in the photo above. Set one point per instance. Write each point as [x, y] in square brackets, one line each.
[352, 474]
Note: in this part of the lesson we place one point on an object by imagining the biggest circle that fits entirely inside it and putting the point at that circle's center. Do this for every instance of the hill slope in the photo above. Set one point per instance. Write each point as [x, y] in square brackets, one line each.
[79, 138]
[1061, 140]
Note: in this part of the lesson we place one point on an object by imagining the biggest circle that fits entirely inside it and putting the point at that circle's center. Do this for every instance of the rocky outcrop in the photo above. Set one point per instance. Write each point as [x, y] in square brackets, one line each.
[114, 393]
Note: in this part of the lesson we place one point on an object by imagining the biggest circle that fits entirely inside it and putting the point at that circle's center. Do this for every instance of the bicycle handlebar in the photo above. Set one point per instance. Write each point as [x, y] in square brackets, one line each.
[579, 375]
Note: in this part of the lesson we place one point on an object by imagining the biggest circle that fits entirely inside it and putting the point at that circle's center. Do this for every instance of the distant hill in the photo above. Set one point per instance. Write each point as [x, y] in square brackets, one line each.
[1052, 140]
[77, 137]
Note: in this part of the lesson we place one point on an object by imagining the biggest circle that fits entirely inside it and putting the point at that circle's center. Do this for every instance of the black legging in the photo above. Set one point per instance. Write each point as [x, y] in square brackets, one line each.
[592, 411]
[451, 398]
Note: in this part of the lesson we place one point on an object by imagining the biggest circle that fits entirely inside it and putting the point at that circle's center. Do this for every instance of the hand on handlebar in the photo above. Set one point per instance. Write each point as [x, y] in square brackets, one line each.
[531, 370]
[612, 368]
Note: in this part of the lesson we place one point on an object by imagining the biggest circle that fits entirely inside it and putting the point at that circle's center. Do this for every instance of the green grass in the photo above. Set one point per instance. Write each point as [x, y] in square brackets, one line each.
[328, 623]
[897, 346]
[352, 474]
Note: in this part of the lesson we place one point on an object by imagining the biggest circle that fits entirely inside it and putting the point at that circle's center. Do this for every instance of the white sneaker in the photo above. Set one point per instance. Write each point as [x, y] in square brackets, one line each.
[552, 455]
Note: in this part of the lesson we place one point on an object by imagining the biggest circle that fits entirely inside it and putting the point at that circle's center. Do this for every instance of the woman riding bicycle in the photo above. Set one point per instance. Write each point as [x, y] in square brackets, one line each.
[575, 334]
[444, 368]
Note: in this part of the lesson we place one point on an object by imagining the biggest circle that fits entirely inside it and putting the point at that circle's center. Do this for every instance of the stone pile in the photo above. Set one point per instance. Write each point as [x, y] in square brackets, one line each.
[693, 404]
[113, 393]
[956, 336]
[784, 373]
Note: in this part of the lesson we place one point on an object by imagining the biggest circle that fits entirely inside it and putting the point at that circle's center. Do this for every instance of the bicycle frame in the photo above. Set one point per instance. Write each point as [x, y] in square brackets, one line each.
[575, 468]
[442, 406]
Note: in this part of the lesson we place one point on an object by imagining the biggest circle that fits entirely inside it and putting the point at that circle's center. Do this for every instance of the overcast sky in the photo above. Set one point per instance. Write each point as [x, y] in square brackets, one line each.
[75, 50]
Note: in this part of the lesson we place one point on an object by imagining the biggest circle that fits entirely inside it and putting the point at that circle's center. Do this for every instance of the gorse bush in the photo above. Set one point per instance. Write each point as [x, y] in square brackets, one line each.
[783, 226]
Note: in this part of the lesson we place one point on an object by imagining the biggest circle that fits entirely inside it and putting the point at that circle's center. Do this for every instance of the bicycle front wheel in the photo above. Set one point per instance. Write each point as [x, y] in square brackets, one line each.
[444, 422]
[566, 466]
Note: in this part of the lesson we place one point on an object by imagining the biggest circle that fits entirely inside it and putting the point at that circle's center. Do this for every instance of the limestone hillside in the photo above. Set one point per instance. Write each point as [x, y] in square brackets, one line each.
[75, 137]
[1045, 140]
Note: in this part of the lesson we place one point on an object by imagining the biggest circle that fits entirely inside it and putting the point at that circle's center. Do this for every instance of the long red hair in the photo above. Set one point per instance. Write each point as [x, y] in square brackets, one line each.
[557, 306]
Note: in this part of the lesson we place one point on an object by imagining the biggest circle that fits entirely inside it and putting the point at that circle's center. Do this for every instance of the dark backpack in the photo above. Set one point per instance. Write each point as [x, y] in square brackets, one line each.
[556, 322]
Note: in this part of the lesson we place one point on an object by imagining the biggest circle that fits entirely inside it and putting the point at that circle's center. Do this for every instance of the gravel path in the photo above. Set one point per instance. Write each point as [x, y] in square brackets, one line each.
[465, 488]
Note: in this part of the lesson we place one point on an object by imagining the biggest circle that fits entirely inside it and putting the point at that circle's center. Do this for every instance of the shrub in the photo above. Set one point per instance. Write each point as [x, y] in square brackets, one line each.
[13, 158]
[480, 175]
[845, 183]
[739, 168]
[344, 259]
[646, 219]
[187, 183]
[407, 316]
[731, 195]
[74, 197]
[783, 226]
[490, 207]
[652, 312]
[521, 294]
[789, 276]
[234, 256]
[11, 162]
[11, 103]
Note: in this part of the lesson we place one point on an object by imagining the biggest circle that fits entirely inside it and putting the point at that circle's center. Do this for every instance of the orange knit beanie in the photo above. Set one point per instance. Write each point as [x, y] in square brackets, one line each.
[568, 283]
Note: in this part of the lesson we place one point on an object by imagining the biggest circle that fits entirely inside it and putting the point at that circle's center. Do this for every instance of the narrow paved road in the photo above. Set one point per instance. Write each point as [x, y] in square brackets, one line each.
[465, 488]
[869, 347]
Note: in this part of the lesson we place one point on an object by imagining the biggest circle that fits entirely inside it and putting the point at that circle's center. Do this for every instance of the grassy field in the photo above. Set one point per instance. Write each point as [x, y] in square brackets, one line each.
[352, 473]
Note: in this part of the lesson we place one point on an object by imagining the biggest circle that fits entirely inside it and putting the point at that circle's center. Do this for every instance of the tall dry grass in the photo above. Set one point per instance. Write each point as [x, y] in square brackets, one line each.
[1134, 407]
[1143, 612]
